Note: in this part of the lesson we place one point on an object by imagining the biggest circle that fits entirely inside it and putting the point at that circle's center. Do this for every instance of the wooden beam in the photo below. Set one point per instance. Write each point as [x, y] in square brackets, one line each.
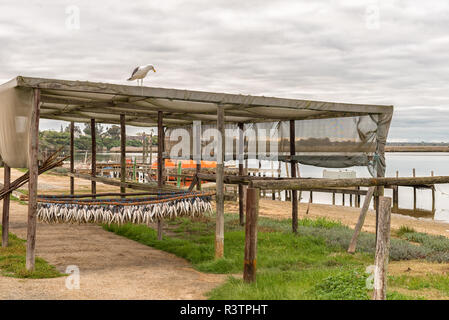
[241, 173]
[303, 183]
[219, 232]
[382, 249]
[252, 212]
[6, 202]
[33, 150]
[361, 220]
[122, 152]
[293, 170]
[160, 163]
[93, 135]
[72, 156]
[114, 182]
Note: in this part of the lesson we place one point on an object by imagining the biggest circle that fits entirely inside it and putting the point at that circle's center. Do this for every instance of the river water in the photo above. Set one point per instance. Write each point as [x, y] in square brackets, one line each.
[404, 162]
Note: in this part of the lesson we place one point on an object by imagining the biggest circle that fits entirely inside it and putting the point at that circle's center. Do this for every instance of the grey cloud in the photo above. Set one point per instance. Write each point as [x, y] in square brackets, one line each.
[302, 49]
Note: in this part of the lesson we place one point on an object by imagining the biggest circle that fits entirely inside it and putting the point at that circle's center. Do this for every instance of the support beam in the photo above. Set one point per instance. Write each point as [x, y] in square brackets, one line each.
[219, 232]
[252, 212]
[160, 163]
[361, 220]
[33, 150]
[122, 152]
[293, 169]
[93, 135]
[6, 201]
[241, 173]
[382, 249]
[305, 183]
[72, 156]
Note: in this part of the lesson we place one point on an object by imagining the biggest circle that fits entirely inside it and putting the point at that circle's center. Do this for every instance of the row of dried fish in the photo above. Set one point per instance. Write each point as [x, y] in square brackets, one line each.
[120, 214]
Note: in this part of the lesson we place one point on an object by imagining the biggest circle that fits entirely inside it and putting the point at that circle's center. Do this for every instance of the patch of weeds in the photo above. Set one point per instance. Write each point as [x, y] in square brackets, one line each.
[345, 285]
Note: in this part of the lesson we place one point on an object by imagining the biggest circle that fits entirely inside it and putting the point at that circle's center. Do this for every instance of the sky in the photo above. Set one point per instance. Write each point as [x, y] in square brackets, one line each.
[375, 52]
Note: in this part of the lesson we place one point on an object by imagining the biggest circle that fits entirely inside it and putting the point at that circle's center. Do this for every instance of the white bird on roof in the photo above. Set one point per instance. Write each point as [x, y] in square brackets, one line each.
[141, 72]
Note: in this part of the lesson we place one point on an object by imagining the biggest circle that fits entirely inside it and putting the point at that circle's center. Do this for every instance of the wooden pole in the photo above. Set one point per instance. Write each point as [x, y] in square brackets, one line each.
[241, 173]
[252, 211]
[32, 184]
[414, 191]
[433, 194]
[122, 152]
[94, 155]
[382, 249]
[317, 183]
[72, 156]
[160, 163]
[361, 220]
[6, 201]
[293, 169]
[219, 232]
[395, 197]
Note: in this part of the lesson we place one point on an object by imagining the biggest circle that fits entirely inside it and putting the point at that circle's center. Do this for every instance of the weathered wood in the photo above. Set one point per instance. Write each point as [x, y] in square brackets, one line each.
[94, 155]
[33, 150]
[252, 211]
[6, 203]
[241, 172]
[219, 232]
[302, 183]
[115, 182]
[160, 149]
[293, 169]
[160, 163]
[414, 191]
[395, 197]
[122, 152]
[361, 220]
[382, 249]
[72, 156]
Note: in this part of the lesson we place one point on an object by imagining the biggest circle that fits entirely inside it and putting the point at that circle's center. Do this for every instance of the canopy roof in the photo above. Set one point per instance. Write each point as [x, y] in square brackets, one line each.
[81, 101]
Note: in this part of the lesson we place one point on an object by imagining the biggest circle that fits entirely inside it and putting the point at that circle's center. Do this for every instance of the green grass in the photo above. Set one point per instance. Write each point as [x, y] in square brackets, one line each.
[311, 265]
[12, 262]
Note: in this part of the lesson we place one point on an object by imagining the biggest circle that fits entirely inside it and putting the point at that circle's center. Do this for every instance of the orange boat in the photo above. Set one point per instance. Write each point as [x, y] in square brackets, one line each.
[185, 164]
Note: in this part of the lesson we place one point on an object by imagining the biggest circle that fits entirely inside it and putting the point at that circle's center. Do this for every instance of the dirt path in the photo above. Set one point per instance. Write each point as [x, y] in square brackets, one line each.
[111, 267]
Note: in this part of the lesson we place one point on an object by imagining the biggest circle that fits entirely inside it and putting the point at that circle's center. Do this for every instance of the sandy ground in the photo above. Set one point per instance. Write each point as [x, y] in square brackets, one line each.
[111, 267]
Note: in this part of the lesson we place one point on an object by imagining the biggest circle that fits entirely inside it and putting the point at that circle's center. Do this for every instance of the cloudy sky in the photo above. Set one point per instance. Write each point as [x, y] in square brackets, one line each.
[385, 52]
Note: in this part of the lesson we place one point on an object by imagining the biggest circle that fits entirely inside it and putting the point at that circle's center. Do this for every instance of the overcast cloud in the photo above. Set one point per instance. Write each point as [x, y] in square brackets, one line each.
[324, 50]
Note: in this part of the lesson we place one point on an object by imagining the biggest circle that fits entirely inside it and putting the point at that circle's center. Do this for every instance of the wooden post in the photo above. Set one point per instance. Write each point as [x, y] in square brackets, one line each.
[94, 155]
[32, 184]
[333, 198]
[72, 156]
[160, 163]
[357, 198]
[343, 198]
[433, 194]
[361, 220]
[414, 191]
[293, 169]
[395, 197]
[382, 249]
[241, 172]
[122, 152]
[219, 232]
[252, 211]
[6, 200]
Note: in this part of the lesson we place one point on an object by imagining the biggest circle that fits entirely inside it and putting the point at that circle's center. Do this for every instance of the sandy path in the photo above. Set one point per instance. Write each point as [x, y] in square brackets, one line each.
[111, 267]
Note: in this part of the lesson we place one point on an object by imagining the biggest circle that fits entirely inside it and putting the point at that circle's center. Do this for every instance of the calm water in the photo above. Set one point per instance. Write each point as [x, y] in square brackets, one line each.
[423, 162]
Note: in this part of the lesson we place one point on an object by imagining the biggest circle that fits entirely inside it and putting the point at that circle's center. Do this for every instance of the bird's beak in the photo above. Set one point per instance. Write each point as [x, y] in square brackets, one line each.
[154, 70]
